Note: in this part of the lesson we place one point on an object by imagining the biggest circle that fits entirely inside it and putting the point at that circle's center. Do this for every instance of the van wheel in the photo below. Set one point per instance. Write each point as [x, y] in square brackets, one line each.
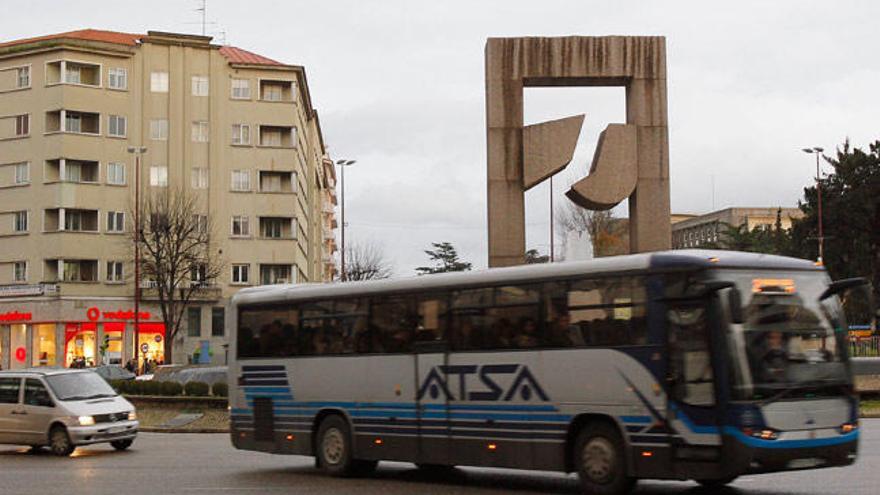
[59, 442]
[600, 461]
[334, 450]
[122, 444]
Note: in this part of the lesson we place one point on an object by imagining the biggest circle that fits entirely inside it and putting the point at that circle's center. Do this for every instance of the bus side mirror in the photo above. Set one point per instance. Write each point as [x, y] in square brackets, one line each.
[734, 302]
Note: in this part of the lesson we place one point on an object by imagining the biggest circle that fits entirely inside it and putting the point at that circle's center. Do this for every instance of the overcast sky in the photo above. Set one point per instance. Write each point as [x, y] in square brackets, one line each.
[399, 87]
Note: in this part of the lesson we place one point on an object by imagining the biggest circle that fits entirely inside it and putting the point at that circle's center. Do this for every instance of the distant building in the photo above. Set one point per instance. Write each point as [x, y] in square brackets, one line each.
[236, 129]
[693, 231]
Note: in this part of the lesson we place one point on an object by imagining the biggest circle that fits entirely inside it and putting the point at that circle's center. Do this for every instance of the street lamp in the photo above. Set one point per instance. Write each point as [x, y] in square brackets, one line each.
[342, 164]
[821, 238]
[137, 151]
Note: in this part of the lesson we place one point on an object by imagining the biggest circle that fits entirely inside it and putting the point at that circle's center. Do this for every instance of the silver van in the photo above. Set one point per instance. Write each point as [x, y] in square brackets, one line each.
[62, 409]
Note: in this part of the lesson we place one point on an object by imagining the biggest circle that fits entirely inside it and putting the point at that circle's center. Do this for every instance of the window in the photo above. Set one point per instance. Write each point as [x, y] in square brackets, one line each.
[22, 125]
[274, 274]
[241, 134]
[159, 82]
[393, 321]
[200, 85]
[23, 79]
[19, 270]
[114, 271]
[502, 318]
[80, 270]
[21, 221]
[73, 220]
[198, 274]
[117, 78]
[272, 92]
[159, 176]
[159, 129]
[607, 312]
[240, 226]
[276, 181]
[241, 180]
[200, 222]
[194, 322]
[241, 274]
[9, 389]
[116, 174]
[275, 228]
[117, 126]
[241, 89]
[78, 171]
[115, 221]
[22, 173]
[72, 122]
[35, 394]
[200, 131]
[218, 322]
[73, 74]
[199, 178]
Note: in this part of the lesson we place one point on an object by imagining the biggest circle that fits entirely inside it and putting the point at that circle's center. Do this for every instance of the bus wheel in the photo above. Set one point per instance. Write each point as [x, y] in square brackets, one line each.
[600, 461]
[334, 447]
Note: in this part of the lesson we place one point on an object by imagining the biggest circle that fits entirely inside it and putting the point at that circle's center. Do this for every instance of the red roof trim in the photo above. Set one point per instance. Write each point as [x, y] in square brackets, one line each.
[114, 37]
[240, 56]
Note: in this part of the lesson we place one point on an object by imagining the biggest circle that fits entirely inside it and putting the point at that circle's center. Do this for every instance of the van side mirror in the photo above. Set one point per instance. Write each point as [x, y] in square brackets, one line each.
[840, 286]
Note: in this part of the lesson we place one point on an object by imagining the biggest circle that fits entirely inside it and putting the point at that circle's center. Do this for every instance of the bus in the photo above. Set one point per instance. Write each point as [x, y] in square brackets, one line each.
[684, 365]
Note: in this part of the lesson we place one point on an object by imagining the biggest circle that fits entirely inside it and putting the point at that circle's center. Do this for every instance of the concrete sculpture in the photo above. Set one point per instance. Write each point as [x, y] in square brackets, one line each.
[631, 159]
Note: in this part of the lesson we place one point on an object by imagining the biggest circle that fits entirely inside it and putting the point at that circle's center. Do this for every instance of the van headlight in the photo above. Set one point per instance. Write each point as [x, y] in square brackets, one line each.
[132, 416]
[86, 420]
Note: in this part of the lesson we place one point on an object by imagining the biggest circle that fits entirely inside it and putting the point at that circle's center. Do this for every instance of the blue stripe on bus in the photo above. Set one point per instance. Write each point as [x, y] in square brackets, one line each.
[636, 419]
[790, 444]
[704, 429]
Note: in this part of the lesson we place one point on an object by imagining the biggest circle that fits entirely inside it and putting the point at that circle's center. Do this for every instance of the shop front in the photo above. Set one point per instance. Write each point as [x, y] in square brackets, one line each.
[73, 335]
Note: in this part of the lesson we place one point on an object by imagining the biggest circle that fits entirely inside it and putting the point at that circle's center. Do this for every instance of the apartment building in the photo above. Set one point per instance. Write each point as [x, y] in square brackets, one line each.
[236, 129]
[694, 231]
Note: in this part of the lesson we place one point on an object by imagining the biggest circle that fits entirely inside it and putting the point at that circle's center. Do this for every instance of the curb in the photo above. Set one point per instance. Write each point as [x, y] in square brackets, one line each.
[156, 429]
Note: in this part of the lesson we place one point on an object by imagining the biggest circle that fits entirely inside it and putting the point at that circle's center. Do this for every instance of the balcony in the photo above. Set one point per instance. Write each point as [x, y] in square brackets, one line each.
[276, 182]
[74, 122]
[275, 136]
[68, 270]
[206, 290]
[277, 228]
[76, 171]
[70, 220]
[76, 73]
[276, 90]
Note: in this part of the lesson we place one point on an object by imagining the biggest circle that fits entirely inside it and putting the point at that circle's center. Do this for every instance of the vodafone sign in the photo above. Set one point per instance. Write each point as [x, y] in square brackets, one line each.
[15, 316]
[94, 314]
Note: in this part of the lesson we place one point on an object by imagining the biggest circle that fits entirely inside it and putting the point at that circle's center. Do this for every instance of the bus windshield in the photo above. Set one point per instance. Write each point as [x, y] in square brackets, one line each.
[790, 340]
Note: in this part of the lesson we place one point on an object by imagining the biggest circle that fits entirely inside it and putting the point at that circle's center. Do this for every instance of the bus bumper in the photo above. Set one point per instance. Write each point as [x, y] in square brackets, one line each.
[752, 456]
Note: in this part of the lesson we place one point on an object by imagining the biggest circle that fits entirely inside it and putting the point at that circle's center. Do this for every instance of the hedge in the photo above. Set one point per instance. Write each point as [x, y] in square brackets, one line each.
[197, 389]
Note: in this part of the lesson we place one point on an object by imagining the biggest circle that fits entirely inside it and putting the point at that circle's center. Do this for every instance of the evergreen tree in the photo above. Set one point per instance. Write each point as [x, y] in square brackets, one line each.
[534, 256]
[445, 259]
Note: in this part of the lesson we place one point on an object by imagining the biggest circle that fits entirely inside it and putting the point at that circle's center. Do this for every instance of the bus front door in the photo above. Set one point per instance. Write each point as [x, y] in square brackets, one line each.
[432, 402]
[692, 410]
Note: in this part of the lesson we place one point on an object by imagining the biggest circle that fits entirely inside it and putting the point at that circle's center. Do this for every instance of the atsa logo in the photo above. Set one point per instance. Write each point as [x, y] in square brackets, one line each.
[490, 382]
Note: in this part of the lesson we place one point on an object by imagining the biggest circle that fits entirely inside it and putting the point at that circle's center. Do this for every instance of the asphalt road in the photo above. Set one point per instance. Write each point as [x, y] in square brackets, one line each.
[161, 464]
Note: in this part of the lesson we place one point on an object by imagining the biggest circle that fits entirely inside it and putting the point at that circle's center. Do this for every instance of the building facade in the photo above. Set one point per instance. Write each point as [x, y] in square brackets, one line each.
[694, 231]
[234, 129]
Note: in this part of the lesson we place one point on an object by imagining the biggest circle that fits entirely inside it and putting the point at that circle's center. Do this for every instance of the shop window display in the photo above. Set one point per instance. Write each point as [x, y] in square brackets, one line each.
[18, 353]
[44, 345]
[79, 346]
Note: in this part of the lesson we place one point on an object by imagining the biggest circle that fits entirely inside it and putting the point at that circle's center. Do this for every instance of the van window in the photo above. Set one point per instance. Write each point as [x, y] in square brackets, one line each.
[35, 394]
[9, 388]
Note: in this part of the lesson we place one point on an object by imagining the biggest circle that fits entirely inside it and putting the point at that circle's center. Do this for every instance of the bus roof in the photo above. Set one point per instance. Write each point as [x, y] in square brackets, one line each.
[654, 261]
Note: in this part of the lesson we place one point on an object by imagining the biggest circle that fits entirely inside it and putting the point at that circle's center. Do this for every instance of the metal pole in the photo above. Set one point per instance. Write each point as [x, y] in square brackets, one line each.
[342, 181]
[819, 201]
[137, 254]
[552, 243]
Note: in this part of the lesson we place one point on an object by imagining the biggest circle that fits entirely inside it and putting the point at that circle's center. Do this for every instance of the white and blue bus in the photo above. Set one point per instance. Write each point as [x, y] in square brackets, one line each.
[701, 365]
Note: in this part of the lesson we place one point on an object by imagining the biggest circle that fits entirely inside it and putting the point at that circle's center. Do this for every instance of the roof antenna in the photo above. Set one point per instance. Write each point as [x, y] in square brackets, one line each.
[204, 10]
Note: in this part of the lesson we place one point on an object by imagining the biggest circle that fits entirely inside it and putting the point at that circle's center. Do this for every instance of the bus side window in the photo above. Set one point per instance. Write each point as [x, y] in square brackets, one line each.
[393, 322]
[432, 319]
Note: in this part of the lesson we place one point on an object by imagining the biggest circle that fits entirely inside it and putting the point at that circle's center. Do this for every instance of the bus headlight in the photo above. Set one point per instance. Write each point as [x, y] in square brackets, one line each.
[86, 420]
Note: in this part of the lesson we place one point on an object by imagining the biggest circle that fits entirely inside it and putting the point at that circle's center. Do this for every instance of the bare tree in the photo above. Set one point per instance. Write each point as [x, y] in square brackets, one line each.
[179, 259]
[607, 233]
[366, 261]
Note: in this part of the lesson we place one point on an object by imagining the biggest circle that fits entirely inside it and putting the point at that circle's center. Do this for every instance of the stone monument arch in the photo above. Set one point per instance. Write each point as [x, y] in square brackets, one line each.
[631, 160]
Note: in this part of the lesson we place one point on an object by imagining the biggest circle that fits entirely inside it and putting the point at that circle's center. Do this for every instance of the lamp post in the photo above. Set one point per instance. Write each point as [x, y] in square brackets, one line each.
[137, 151]
[821, 238]
[342, 164]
